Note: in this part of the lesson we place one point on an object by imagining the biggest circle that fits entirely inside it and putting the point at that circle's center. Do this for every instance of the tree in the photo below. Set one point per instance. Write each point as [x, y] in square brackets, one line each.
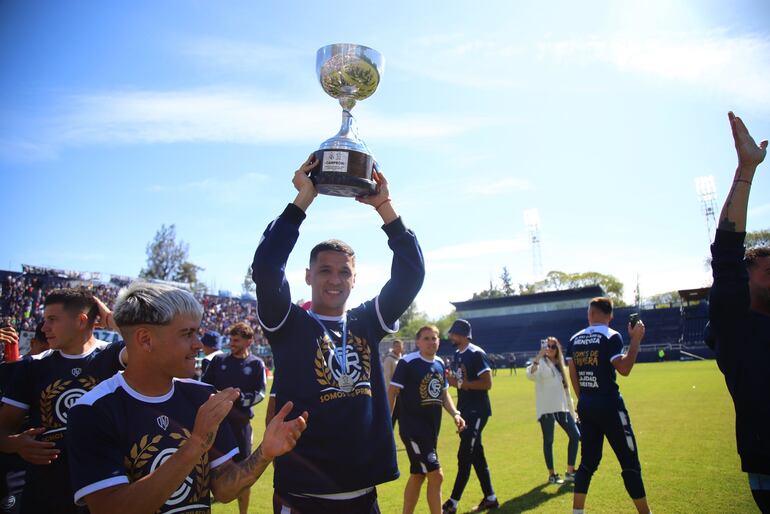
[410, 314]
[167, 260]
[248, 285]
[669, 298]
[757, 238]
[559, 281]
[505, 279]
[492, 292]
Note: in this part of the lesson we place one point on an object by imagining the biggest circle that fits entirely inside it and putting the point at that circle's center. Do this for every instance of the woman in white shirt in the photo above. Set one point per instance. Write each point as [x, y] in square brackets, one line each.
[553, 403]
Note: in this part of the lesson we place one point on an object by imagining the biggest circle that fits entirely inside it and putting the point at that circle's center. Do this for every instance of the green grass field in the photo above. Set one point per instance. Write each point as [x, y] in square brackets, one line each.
[684, 423]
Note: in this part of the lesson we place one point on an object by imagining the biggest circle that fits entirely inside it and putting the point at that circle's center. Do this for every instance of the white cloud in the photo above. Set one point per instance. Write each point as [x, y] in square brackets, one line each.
[471, 249]
[733, 65]
[225, 189]
[228, 116]
[737, 66]
[235, 55]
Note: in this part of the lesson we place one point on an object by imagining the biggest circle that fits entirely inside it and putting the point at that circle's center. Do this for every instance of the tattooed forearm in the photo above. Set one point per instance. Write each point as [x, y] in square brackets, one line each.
[733, 215]
[229, 480]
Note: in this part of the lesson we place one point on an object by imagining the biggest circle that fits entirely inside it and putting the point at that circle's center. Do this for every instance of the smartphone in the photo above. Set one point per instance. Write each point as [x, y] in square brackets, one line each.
[543, 343]
[633, 319]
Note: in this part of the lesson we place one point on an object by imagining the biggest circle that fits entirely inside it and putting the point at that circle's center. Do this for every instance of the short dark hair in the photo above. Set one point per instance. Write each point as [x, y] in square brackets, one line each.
[602, 304]
[331, 245]
[423, 328]
[241, 329]
[752, 254]
[74, 300]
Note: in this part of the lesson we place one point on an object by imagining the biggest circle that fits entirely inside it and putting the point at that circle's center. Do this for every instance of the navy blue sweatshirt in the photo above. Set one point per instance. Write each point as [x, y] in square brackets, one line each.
[742, 348]
[348, 444]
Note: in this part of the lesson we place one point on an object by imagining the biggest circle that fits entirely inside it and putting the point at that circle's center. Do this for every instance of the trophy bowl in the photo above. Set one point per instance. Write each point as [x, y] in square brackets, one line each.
[349, 73]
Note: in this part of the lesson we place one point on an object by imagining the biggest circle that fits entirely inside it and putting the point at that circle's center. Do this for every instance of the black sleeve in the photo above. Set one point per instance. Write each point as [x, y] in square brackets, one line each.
[407, 273]
[729, 298]
[269, 268]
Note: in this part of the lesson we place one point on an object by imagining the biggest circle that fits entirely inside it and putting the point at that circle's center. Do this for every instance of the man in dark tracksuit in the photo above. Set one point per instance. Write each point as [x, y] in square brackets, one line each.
[471, 375]
[594, 355]
[739, 317]
[327, 358]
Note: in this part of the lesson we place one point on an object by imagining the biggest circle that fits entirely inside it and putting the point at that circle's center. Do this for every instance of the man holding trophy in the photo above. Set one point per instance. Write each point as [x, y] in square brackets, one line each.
[327, 357]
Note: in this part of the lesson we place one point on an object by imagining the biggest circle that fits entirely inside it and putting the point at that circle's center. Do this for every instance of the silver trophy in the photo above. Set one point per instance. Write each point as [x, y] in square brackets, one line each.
[348, 73]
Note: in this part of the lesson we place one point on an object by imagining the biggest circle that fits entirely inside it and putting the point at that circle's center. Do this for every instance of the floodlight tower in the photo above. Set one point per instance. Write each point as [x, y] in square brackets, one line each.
[532, 221]
[707, 192]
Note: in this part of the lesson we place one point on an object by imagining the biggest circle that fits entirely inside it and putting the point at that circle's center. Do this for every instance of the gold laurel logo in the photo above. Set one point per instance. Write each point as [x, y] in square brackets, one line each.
[47, 398]
[140, 454]
[88, 383]
[322, 372]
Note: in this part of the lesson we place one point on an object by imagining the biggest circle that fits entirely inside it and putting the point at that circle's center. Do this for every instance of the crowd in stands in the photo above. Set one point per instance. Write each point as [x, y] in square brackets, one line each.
[22, 297]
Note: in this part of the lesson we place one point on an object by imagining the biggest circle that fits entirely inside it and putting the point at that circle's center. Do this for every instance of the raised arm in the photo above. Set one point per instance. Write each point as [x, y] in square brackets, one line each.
[230, 479]
[750, 155]
[625, 362]
[269, 266]
[729, 298]
[407, 271]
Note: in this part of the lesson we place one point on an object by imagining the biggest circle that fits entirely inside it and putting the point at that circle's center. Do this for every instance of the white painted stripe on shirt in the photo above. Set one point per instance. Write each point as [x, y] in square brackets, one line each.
[382, 321]
[273, 329]
[224, 458]
[400, 386]
[98, 486]
[340, 496]
[14, 403]
[198, 506]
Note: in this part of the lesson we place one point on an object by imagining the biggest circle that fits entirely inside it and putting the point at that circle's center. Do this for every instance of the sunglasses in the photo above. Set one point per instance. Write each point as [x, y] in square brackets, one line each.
[552, 346]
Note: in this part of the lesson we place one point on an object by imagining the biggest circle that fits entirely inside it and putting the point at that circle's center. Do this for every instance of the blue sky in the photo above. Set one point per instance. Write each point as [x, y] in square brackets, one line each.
[117, 118]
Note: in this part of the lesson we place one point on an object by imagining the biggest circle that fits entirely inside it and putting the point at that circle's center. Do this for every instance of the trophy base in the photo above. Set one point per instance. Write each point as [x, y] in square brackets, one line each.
[343, 173]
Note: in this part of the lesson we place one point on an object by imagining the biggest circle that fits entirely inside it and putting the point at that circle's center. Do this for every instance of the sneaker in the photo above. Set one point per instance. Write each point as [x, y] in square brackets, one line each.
[569, 477]
[486, 505]
[448, 508]
[555, 479]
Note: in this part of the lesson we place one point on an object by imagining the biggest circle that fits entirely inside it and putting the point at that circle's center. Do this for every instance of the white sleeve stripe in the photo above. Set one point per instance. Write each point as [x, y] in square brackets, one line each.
[483, 371]
[396, 384]
[382, 321]
[279, 324]
[224, 458]
[14, 403]
[616, 357]
[98, 486]
[567, 358]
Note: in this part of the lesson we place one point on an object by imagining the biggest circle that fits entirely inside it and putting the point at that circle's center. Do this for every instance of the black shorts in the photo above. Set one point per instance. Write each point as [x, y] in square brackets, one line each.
[242, 433]
[422, 454]
[290, 504]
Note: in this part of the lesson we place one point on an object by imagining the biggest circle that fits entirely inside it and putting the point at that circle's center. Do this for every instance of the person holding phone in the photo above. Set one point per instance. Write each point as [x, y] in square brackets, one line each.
[595, 354]
[553, 404]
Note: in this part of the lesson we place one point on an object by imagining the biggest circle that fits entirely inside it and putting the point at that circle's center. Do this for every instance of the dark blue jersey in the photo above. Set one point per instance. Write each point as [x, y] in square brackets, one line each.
[247, 374]
[118, 436]
[422, 383]
[741, 338]
[469, 365]
[592, 351]
[348, 444]
[47, 385]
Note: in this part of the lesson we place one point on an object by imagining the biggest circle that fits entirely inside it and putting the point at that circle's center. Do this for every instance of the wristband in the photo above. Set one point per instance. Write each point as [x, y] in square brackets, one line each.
[742, 180]
[382, 203]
